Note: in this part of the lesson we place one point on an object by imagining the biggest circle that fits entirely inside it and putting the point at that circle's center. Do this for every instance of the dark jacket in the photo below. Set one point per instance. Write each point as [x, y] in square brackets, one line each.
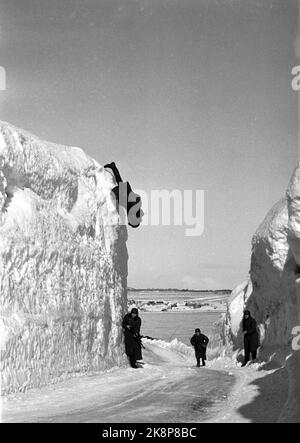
[200, 343]
[131, 201]
[251, 338]
[132, 336]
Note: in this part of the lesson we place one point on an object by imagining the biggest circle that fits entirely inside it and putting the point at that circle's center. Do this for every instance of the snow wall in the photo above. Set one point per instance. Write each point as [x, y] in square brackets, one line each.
[272, 292]
[63, 263]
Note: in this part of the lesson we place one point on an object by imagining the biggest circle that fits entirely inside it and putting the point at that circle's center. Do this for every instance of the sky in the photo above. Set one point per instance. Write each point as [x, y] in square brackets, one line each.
[182, 95]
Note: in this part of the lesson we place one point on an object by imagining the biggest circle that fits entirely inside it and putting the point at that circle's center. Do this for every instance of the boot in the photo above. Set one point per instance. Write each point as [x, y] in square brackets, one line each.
[115, 170]
[247, 358]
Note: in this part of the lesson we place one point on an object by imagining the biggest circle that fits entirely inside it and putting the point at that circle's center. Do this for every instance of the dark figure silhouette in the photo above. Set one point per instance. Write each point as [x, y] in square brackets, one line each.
[251, 338]
[126, 198]
[131, 328]
[200, 342]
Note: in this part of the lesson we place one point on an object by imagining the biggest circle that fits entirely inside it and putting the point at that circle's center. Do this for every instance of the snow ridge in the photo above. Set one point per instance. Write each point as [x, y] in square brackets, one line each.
[272, 292]
[63, 263]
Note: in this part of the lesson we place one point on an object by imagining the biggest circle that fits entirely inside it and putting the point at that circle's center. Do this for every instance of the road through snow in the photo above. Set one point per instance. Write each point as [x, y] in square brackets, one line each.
[168, 389]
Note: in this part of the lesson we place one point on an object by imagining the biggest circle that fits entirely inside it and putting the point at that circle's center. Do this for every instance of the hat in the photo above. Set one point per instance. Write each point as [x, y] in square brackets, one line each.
[197, 330]
[134, 311]
[247, 313]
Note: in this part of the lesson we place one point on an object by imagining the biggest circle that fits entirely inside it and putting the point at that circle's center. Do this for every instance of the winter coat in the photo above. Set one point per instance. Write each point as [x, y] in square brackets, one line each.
[131, 201]
[200, 343]
[132, 336]
[251, 338]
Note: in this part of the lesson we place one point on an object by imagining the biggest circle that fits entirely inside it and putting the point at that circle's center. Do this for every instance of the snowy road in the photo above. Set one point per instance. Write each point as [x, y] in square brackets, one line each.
[168, 389]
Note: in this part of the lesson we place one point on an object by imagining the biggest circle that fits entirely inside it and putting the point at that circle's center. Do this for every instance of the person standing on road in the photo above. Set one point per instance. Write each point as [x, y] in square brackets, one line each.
[200, 342]
[131, 328]
[251, 338]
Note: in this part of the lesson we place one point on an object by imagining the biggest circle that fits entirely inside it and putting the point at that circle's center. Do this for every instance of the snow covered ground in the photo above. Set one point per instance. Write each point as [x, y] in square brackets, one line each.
[63, 296]
[174, 301]
[168, 389]
[258, 395]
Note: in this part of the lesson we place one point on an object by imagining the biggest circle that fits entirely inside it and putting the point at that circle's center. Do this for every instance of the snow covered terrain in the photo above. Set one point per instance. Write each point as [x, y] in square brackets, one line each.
[63, 263]
[168, 389]
[63, 274]
[272, 293]
[167, 301]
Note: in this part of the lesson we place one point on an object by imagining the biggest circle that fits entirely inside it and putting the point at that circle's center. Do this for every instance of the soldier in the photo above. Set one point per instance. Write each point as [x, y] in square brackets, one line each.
[251, 338]
[131, 328]
[200, 342]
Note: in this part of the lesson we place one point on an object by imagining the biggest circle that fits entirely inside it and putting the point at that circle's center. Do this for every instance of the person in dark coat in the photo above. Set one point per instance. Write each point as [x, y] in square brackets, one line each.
[126, 198]
[200, 342]
[131, 328]
[251, 338]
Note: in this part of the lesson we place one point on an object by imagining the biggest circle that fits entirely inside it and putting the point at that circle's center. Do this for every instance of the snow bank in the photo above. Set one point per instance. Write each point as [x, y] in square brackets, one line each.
[175, 345]
[272, 292]
[185, 352]
[63, 263]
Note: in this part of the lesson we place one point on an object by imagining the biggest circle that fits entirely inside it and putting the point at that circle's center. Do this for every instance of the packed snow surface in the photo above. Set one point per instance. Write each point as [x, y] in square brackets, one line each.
[63, 263]
[168, 389]
[272, 293]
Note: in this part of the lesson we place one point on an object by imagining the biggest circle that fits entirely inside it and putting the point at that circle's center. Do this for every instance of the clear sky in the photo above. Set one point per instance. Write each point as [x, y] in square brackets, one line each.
[182, 94]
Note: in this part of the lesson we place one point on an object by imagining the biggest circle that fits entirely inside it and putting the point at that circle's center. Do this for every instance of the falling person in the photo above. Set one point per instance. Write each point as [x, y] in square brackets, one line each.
[126, 198]
[200, 342]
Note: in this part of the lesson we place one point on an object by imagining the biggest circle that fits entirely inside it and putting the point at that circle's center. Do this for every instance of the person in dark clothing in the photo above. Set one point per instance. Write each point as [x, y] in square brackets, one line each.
[126, 198]
[131, 328]
[251, 338]
[200, 342]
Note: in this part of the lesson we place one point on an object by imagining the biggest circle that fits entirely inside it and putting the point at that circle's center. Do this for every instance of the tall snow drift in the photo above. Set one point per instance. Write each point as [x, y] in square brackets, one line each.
[63, 263]
[272, 293]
